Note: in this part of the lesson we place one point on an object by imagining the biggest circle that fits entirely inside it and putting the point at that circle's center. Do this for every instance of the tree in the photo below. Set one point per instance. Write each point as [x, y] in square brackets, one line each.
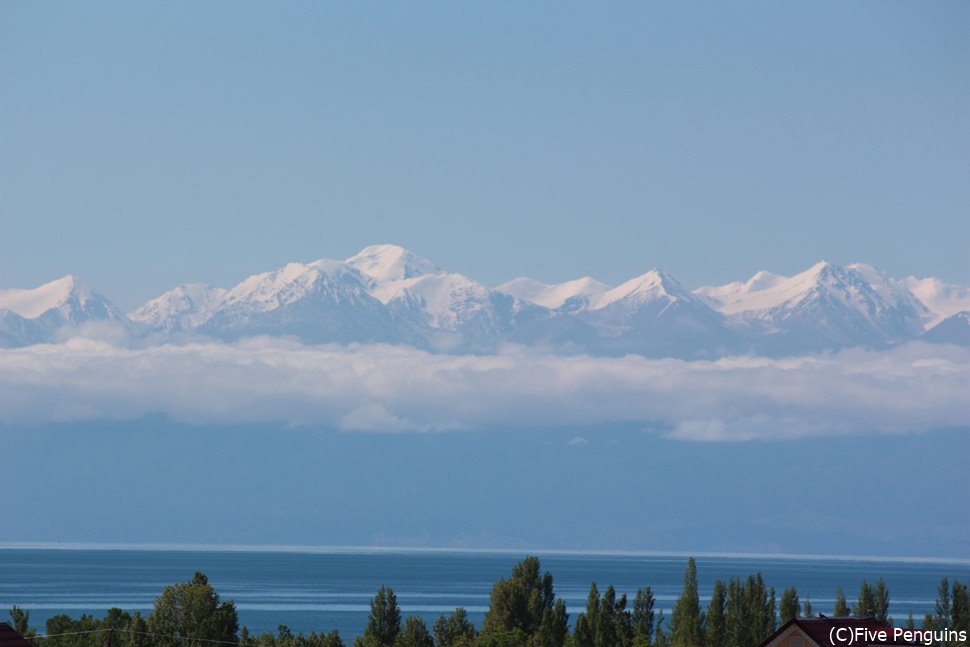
[760, 608]
[384, 621]
[661, 638]
[585, 633]
[807, 611]
[189, 613]
[789, 605]
[880, 602]
[841, 606]
[686, 622]
[21, 622]
[866, 604]
[606, 622]
[554, 628]
[715, 629]
[737, 628]
[643, 617]
[519, 605]
[136, 633]
[943, 608]
[960, 607]
[414, 634]
[454, 631]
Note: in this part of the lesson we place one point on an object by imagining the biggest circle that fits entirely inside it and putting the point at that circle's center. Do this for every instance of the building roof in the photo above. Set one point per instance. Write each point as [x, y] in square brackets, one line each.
[820, 629]
[10, 638]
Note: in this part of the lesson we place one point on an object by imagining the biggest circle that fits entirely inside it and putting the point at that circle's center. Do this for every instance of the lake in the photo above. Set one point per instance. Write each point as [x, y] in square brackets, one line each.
[320, 590]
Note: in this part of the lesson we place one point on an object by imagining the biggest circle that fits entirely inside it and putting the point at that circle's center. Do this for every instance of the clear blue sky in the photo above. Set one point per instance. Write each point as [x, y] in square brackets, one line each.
[152, 143]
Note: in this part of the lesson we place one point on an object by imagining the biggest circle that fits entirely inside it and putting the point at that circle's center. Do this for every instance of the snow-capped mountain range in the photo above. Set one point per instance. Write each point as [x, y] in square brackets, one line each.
[388, 294]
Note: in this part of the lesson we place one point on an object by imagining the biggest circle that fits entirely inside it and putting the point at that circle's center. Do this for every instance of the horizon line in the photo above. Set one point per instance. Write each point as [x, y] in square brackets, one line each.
[363, 549]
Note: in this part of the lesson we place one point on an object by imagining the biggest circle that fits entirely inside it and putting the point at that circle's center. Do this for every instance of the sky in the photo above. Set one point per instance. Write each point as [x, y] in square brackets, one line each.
[155, 143]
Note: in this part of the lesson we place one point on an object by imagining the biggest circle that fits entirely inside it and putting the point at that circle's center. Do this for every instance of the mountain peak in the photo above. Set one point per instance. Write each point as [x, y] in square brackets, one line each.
[391, 263]
[651, 285]
[32, 303]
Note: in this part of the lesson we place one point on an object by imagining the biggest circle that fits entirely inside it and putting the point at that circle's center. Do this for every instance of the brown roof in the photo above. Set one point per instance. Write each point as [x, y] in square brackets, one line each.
[10, 638]
[819, 629]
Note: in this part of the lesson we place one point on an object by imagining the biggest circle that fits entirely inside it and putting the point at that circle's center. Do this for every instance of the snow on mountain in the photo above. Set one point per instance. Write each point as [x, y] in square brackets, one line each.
[66, 294]
[38, 314]
[896, 293]
[941, 299]
[184, 308]
[735, 297]
[826, 306]
[319, 302]
[955, 329]
[391, 263]
[764, 294]
[552, 295]
[386, 293]
[653, 314]
[454, 312]
[647, 288]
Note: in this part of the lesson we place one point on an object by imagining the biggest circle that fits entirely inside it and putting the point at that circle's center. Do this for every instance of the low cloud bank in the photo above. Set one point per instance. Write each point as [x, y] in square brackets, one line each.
[377, 388]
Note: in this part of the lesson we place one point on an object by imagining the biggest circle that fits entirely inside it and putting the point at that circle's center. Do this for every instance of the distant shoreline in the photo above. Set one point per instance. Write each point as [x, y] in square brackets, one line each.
[397, 550]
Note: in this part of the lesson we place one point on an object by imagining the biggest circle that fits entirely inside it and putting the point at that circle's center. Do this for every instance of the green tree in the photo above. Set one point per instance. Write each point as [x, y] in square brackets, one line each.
[880, 602]
[585, 632]
[190, 613]
[735, 618]
[866, 604]
[715, 625]
[807, 611]
[414, 634]
[331, 639]
[554, 628]
[112, 627]
[760, 608]
[454, 631]
[841, 606]
[960, 607]
[519, 605]
[660, 637]
[686, 622]
[789, 606]
[136, 633]
[943, 608]
[606, 622]
[21, 622]
[384, 621]
[643, 617]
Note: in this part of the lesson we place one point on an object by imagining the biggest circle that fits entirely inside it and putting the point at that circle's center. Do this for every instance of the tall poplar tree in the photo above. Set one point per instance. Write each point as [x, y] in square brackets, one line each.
[686, 622]
[643, 617]
[715, 623]
[841, 606]
[789, 606]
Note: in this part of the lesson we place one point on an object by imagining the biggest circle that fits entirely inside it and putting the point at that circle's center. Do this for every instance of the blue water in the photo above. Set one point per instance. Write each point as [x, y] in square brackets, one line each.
[320, 591]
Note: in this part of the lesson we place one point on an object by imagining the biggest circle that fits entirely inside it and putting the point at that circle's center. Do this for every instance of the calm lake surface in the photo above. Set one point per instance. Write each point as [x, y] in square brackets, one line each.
[320, 591]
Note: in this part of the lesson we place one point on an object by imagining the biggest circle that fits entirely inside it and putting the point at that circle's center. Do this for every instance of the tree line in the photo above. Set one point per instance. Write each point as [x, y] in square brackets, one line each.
[523, 612]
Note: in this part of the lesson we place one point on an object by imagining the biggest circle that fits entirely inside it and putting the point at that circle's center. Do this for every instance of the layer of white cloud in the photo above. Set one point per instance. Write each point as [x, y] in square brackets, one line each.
[913, 388]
